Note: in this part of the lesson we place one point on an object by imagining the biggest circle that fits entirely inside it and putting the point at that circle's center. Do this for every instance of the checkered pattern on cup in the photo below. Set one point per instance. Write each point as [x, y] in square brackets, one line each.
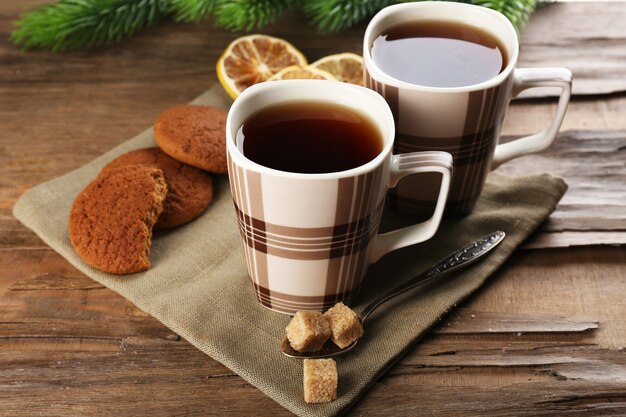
[308, 239]
[464, 121]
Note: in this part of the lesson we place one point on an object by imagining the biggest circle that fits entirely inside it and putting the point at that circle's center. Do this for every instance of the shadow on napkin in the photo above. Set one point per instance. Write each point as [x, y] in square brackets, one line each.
[199, 288]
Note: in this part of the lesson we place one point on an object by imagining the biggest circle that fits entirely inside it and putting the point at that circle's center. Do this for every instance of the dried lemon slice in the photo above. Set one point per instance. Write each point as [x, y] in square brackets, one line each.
[347, 67]
[296, 72]
[254, 58]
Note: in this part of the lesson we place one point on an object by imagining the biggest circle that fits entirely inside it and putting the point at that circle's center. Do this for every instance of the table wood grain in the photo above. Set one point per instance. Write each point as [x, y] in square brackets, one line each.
[545, 336]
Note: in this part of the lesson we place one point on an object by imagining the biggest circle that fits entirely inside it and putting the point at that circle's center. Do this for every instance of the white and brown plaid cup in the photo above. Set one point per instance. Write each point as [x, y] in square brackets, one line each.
[309, 238]
[465, 121]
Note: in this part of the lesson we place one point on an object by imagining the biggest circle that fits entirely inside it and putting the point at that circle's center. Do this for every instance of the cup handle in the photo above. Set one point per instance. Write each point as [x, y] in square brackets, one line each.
[525, 78]
[401, 166]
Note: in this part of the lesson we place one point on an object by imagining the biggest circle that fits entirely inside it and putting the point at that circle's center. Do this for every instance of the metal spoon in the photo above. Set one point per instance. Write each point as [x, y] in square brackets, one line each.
[455, 261]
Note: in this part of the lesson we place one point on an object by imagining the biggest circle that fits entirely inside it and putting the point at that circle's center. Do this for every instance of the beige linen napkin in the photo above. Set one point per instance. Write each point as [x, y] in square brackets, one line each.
[199, 288]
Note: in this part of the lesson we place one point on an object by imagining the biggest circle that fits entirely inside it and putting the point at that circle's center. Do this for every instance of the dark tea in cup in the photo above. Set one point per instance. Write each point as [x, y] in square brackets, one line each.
[438, 54]
[309, 137]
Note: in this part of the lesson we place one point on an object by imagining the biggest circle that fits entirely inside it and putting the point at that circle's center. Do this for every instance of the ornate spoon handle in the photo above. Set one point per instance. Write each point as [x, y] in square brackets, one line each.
[457, 260]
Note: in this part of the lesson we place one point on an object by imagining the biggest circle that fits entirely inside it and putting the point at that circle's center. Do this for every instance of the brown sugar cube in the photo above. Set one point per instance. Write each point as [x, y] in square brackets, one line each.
[345, 325]
[308, 331]
[320, 380]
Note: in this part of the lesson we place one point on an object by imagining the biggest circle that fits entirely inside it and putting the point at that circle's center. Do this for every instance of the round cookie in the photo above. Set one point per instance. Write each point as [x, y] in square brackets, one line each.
[195, 135]
[189, 189]
[111, 220]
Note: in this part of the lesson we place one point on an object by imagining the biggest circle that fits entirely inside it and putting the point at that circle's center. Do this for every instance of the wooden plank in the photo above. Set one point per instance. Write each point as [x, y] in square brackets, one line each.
[578, 283]
[592, 163]
[530, 116]
[587, 37]
[464, 321]
[523, 399]
[567, 239]
[140, 377]
[577, 361]
[50, 281]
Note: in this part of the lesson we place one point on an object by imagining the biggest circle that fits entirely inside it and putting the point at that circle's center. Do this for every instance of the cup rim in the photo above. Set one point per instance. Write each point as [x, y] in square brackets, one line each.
[372, 68]
[383, 120]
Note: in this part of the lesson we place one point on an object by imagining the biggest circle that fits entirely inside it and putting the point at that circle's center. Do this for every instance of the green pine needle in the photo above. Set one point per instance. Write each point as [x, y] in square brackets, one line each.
[238, 15]
[517, 11]
[334, 15]
[73, 24]
[192, 10]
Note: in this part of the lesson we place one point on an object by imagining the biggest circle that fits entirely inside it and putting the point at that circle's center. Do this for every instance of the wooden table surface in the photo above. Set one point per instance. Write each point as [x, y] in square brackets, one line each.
[545, 336]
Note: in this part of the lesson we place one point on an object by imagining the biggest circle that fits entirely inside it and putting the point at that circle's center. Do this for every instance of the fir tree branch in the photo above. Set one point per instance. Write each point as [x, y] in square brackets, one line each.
[192, 10]
[334, 15]
[246, 15]
[73, 24]
[517, 11]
